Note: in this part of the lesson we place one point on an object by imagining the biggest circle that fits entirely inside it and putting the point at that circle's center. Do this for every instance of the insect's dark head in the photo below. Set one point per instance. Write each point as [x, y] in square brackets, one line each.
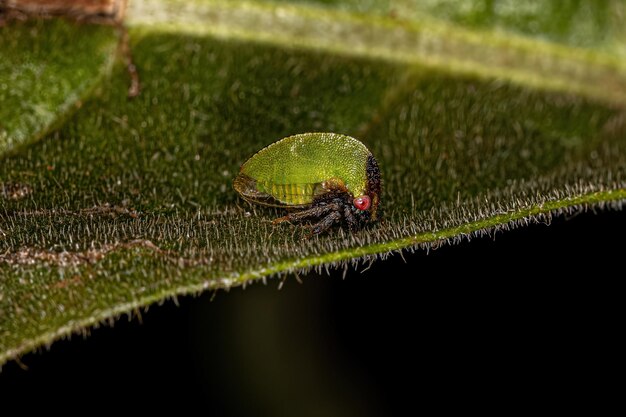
[365, 207]
[374, 186]
[361, 217]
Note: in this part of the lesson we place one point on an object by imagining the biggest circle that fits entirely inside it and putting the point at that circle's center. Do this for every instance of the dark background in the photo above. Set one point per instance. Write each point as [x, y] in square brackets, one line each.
[534, 314]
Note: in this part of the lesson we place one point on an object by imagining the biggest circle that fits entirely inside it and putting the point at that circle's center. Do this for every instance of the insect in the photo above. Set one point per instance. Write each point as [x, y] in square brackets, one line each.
[331, 178]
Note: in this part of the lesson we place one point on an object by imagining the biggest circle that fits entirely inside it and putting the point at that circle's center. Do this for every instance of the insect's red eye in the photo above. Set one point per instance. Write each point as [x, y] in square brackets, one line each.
[362, 203]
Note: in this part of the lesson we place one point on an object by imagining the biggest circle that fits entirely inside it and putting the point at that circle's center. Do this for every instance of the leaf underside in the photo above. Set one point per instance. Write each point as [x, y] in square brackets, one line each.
[131, 201]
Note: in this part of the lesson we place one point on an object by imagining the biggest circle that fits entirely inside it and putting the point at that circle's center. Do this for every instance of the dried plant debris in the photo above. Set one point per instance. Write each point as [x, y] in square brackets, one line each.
[103, 11]
[15, 191]
[63, 259]
[130, 202]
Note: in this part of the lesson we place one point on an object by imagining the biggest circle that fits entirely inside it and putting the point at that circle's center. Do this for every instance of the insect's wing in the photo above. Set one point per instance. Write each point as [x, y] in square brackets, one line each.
[277, 195]
[247, 187]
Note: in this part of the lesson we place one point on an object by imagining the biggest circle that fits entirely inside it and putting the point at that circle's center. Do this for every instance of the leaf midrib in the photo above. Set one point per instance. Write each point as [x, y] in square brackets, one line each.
[429, 42]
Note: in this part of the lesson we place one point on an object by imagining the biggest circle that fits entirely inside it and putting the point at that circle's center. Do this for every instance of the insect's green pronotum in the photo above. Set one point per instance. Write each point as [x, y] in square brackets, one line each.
[333, 178]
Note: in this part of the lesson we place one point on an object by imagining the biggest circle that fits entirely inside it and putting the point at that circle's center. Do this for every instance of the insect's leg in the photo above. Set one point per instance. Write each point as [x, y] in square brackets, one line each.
[325, 223]
[352, 221]
[315, 211]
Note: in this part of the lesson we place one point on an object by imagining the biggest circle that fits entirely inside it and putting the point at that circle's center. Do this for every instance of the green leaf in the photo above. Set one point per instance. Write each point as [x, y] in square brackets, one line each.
[597, 24]
[45, 73]
[131, 201]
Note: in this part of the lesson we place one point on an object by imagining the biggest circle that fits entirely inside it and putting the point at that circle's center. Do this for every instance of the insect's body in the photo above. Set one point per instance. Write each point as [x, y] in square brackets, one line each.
[334, 176]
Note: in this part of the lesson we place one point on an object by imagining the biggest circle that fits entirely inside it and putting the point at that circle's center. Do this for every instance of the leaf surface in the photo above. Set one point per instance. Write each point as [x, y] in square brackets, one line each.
[130, 202]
